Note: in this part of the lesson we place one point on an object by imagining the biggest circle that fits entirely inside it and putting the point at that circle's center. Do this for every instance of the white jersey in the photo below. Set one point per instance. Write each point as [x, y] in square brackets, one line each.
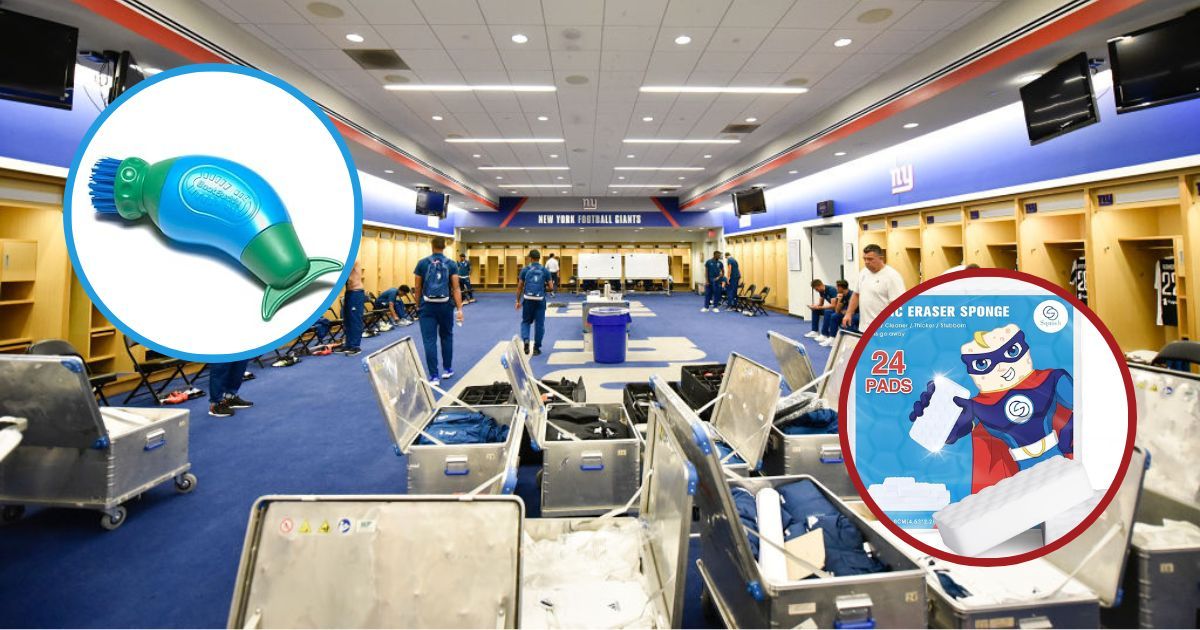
[875, 292]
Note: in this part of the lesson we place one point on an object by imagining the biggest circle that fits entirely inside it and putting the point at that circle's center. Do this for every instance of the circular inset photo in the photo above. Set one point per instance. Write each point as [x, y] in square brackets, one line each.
[988, 419]
[210, 212]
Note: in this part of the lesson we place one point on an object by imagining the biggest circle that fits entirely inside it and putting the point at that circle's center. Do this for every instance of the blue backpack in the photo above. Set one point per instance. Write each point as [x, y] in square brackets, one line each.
[535, 282]
[435, 286]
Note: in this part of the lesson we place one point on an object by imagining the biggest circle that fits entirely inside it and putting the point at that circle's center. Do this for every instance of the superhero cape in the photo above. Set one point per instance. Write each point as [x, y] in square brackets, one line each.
[991, 460]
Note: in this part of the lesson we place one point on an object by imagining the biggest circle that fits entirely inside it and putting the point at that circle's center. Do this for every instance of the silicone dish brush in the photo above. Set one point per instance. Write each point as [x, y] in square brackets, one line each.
[214, 202]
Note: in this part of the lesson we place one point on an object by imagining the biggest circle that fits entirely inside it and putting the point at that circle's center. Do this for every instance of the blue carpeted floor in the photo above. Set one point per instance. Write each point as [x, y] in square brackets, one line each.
[316, 429]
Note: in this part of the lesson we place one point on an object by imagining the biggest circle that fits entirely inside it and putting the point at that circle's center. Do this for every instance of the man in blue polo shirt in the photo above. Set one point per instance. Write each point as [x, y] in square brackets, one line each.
[822, 307]
[735, 281]
[714, 273]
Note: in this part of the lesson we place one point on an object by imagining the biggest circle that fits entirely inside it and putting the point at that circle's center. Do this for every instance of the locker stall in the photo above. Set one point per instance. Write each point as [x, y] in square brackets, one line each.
[904, 246]
[991, 235]
[762, 258]
[941, 241]
[1053, 238]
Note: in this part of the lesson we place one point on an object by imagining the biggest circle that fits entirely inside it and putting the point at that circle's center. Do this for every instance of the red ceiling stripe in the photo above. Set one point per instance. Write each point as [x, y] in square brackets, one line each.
[515, 210]
[663, 209]
[118, 13]
[1051, 33]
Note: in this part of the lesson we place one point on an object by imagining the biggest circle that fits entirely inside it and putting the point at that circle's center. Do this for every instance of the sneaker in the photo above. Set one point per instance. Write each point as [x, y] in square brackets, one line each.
[812, 335]
[248, 376]
[828, 343]
[220, 409]
[237, 402]
[537, 351]
[526, 347]
[716, 310]
[704, 310]
[434, 382]
[447, 375]
[820, 338]
[349, 351]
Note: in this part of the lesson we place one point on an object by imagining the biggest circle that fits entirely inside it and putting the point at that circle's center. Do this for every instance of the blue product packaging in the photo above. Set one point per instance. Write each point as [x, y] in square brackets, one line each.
[955, 392]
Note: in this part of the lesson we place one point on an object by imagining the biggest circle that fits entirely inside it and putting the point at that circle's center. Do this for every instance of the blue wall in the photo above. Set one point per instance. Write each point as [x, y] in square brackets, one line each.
[984, 153]
[51, 136]
[589, 219]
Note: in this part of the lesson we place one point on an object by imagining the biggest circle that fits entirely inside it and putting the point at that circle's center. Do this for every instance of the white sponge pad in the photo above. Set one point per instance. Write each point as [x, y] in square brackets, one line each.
[905, 494]
[1060, 524]
[1001, 511]
[933, 426]
[771, 560]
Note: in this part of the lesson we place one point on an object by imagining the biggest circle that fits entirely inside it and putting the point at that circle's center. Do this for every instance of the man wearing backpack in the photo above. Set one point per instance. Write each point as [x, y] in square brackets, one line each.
[532, 284]
[436, 281]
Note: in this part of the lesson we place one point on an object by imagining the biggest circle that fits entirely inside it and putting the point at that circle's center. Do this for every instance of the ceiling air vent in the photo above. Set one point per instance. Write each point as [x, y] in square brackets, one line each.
[739, 128]
[377, 58]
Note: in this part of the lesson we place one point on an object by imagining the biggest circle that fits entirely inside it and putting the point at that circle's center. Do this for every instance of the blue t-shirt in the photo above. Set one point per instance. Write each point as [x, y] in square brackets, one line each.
[713, 269]
[534, 290]
[464, 268]
[423, 266]
[829, 293]
[734, 272]
[387, 297]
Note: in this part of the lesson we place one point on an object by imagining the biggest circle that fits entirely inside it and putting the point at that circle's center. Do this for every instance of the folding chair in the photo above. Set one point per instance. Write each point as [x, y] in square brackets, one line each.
[59, 347]
[757, 303]
[743, 298]
[371, 316]
[1179, 355]
[154, 363]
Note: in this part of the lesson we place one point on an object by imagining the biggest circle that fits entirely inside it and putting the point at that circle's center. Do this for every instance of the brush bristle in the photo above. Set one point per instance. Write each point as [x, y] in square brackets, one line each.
[104, 175]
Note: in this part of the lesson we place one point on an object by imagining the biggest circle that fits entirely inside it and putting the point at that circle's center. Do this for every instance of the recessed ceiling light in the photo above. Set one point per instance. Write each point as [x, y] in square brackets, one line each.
[697, 89]
[792, 172]
[751, 119]
[843, 42]
[683, 40]
[681, 177]
[524, 168]
[553, 155]
[643, 185]
[519, 38]
[540, 185]
[499, 177]
[613, 192]
[707, 156]
[875, 16]
[560, 177]
[355, 37]
[630, 156]
[543, 118]
[426, 87]
[388, 171]
[621, 177]
[437, 118]
[476, 155]
[840, 153]
[658, 168]
[681, 140]
[502, 140]
[911, 125]
[647, 119]
[564, 191]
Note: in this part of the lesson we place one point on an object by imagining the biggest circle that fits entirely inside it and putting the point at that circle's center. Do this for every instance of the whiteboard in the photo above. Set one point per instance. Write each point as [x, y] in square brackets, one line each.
[599, 266]
[647, 266]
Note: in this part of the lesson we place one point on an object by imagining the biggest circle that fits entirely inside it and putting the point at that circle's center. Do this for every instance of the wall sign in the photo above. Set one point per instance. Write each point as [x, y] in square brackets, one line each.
[902, 178]
[587, 218]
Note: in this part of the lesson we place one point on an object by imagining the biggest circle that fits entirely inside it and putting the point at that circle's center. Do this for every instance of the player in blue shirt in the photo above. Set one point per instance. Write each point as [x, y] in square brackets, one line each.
[823, 307]
[714, 272]
[464, 279]
[735, 281]
[533, 282]
[436, 284]
[386, 301]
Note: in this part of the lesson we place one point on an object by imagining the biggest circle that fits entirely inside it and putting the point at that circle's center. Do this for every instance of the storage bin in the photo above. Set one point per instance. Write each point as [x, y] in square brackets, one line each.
[315, 561]
[77, 454]
[498, 393]
[408, 406]
[730, 573]
[818, 455]
[743, 414]
[579, 477]
[638, 398]
[700, 384]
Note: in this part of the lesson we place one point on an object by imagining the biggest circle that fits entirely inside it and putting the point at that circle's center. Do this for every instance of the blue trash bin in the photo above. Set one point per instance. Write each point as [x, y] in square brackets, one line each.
[608, 333]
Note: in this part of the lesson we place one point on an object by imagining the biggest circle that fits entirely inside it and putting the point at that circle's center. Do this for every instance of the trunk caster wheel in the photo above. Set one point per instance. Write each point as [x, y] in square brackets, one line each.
[12, 513]
[114, 519]
[185, 483]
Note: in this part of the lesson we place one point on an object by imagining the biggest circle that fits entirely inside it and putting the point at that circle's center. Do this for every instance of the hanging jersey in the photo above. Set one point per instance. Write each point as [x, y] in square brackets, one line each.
[1078, 278]
[1164, 285]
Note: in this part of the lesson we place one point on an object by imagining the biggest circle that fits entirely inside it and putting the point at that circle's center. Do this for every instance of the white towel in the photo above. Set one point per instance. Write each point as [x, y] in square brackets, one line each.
[771, 560]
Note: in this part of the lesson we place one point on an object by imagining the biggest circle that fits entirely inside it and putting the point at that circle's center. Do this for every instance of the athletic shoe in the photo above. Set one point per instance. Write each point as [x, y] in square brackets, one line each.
[220, 409]
[526, 347]
[704, 310]
[537, 351]
[447, 375]
[716, 310]
[828, 343]
[350, 351]
[820, 338]
[812, 335]
[247, 376]
[434, 382]
[237, 402]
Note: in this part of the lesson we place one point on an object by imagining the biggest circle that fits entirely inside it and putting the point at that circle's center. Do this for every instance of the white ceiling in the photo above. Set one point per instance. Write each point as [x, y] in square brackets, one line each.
[618, 45]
